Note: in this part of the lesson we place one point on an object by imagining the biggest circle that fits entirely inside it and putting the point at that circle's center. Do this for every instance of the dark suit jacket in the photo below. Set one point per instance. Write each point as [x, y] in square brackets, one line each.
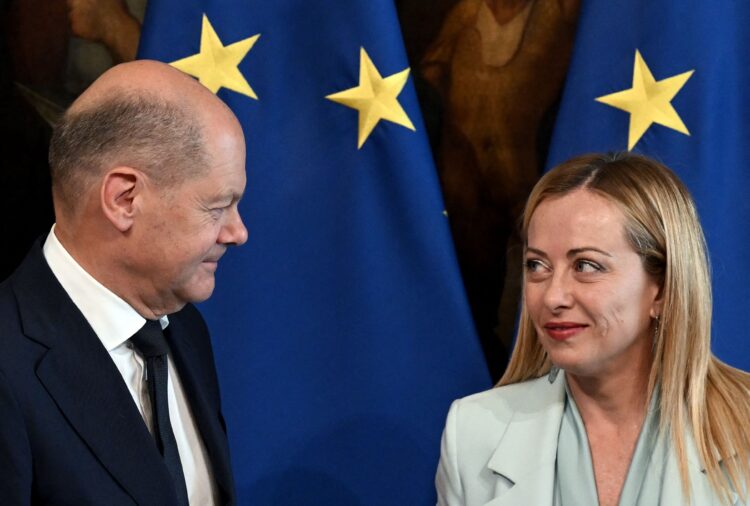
[70, 432]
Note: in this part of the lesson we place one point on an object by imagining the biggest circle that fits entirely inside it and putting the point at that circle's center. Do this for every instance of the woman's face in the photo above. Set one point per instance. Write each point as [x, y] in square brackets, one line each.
[586, 290]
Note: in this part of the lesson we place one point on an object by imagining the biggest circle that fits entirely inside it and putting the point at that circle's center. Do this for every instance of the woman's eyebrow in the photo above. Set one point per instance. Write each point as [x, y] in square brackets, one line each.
[539, 252]
[571, 253]
[578, 251]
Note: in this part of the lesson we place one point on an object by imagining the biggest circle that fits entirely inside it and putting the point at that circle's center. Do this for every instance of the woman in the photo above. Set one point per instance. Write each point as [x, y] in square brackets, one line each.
[612, 395]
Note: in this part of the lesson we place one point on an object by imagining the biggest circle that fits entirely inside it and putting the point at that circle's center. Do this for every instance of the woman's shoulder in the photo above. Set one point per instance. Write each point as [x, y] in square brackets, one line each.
[495, 407]
[527, 396]
[496, 430]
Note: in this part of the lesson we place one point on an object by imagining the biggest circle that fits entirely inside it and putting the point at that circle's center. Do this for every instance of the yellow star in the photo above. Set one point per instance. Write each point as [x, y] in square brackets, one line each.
[648, 101]
[375, 98]
[216, 64]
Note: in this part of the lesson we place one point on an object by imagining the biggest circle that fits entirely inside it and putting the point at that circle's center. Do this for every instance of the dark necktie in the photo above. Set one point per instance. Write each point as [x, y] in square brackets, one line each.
[152, 344]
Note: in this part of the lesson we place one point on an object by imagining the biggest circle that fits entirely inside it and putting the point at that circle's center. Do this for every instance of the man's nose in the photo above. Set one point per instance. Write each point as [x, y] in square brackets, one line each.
[234, 231]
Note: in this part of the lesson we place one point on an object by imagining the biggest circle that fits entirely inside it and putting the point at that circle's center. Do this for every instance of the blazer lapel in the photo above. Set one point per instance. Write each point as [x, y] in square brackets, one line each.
[524, 459]
[195, 375]
[81, 378]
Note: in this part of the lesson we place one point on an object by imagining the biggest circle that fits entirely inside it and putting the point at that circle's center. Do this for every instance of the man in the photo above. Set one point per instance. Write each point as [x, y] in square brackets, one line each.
[147, 169]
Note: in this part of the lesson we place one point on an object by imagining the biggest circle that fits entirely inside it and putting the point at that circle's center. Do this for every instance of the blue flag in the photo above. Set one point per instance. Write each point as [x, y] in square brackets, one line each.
[341, 328]
[669, 79]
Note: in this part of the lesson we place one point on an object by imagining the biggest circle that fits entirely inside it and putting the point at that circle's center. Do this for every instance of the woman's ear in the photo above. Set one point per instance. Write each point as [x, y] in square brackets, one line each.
[657, 305]
[120, 191]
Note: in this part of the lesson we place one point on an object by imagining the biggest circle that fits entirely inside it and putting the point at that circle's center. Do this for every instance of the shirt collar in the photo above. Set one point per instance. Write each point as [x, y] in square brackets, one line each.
[114, 321]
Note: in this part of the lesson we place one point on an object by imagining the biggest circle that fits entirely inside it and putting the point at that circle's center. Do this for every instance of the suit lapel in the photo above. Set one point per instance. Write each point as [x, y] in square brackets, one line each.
[195, 374]
[524, 459]
[84, 383]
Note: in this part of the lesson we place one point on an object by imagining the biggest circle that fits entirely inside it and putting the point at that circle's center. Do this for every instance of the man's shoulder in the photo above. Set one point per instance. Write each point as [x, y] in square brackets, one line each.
[7, 300]
[32, 274]
[19, 297]
[9, 316]
[24, 280]
[33, 291]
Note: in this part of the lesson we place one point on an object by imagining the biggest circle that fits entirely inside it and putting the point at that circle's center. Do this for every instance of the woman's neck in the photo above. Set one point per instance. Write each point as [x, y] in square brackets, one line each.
[613, 401]
[617, 398]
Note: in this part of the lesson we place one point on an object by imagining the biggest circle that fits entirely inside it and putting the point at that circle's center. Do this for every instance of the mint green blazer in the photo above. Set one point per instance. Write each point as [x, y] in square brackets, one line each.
[499, 449]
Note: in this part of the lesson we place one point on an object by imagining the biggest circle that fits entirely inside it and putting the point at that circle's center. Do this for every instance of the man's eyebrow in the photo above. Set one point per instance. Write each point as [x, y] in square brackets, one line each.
[231, 195]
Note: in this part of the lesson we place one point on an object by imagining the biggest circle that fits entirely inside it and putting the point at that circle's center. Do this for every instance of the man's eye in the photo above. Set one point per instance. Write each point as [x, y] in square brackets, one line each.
[216, 212]
[587, 266]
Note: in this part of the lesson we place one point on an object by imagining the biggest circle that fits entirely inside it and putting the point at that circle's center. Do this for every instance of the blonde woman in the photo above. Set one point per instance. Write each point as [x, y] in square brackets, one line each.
[612, 395]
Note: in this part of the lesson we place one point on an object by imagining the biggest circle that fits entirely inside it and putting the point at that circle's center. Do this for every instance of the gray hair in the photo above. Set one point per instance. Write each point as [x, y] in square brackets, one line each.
[142, 131]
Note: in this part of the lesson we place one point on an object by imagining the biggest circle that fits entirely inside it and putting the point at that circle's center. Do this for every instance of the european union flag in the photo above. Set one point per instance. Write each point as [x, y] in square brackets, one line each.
[669, 79]
[341, 329]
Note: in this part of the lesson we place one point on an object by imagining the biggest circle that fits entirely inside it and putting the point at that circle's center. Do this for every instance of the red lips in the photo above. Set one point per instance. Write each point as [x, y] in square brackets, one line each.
[560, 331]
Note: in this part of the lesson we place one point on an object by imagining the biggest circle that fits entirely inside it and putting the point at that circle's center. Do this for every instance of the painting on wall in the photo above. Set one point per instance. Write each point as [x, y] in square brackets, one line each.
[489, 74]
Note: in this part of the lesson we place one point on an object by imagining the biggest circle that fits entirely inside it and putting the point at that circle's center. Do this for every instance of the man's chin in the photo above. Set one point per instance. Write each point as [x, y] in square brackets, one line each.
[199, 292]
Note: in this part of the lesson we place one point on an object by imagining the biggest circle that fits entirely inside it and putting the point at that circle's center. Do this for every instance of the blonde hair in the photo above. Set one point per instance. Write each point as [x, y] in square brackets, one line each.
[697, 391]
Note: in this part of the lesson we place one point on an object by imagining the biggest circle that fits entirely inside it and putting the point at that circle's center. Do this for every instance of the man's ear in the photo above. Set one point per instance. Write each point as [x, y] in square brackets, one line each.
[121, 187]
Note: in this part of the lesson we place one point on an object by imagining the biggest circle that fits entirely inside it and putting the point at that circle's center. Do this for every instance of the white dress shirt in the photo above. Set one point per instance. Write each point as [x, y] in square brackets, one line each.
[114, 321]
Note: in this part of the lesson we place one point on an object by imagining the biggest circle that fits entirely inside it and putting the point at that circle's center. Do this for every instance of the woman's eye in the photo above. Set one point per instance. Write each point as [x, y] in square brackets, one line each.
[534, 265]
[587, 266]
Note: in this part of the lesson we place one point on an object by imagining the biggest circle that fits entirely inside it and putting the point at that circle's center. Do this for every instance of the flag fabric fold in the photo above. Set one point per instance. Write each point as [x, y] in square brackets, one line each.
[668, 79]
[341, 329]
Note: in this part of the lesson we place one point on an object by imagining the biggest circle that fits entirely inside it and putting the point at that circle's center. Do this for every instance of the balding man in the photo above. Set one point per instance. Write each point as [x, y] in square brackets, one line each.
[108, 392]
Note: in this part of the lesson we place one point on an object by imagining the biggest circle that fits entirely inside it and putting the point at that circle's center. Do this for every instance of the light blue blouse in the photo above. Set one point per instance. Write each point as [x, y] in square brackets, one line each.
[574, 473]
[648, 479]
